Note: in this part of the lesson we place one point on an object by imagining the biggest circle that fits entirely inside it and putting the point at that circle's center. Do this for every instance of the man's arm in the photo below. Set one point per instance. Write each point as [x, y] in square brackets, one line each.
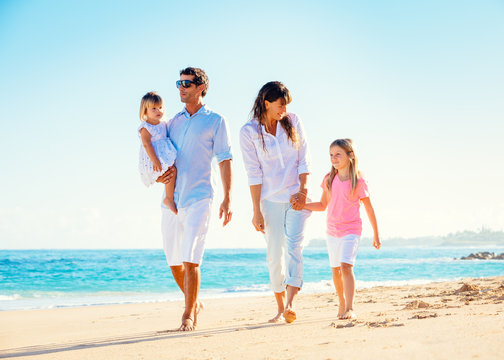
[227, 179]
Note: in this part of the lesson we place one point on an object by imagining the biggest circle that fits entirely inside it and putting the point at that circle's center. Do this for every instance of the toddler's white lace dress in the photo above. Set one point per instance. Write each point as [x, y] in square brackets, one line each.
[164, 149]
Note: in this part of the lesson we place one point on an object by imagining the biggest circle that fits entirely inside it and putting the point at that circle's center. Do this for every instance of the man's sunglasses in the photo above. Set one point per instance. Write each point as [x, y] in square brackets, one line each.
[185, 83]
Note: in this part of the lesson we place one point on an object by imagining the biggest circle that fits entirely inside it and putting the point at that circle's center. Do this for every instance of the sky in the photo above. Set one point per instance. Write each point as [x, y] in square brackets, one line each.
[419, 86]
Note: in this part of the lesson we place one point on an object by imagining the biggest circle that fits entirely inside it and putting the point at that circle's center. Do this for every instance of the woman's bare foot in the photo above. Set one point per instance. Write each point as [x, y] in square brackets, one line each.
[170, 204]
[277, 318]
[348, 315]
[289, 315]
[341, 311]
[187, 325]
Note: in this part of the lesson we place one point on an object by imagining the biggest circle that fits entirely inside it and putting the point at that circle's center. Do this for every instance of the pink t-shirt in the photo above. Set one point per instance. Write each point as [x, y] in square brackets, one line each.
[343, 217]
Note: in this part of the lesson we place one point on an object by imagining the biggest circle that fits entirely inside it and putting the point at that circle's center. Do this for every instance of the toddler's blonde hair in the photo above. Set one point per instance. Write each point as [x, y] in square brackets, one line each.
[149, 100]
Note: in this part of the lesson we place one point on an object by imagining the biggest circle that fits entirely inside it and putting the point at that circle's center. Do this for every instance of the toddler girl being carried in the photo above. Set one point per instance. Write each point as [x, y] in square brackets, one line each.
[157, 153]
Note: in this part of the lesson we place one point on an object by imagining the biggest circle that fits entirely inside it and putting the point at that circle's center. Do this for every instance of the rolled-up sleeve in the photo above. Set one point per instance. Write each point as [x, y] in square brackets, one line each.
[250, 159]
[222, 142]
[304, 158]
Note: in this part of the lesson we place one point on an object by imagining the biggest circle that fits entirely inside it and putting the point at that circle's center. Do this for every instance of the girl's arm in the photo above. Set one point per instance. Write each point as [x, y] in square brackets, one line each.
[146, 141]
[372, 219]
[321, 205]
[257, 219]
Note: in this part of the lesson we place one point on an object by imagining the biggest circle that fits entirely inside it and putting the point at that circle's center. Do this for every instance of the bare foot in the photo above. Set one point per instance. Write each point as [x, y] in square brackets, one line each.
[289, 315]
[341, 311]
[199, 306]
[277, 318]
[187, 325]
[348, 315]
[170, 204]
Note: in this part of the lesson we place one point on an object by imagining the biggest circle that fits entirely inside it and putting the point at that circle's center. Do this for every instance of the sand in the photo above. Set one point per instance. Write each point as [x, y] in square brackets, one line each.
[460, 319]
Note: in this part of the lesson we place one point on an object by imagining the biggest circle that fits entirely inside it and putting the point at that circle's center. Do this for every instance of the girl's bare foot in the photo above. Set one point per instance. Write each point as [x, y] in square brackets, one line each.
[170, 204]
[277, 318]
[348, 315]
[289, 315]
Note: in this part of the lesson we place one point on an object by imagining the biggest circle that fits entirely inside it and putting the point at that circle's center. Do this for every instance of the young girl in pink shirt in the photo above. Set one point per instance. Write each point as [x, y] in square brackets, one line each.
[344, 190]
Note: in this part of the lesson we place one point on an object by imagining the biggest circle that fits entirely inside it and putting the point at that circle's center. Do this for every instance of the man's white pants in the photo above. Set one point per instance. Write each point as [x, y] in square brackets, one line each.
[184, 234]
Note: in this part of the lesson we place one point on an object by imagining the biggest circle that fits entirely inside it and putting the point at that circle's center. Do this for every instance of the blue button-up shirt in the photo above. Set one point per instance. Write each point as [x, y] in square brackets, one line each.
[197, 138]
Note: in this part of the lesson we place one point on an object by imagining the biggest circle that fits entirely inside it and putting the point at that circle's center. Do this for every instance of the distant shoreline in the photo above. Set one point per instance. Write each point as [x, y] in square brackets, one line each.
[474, 239]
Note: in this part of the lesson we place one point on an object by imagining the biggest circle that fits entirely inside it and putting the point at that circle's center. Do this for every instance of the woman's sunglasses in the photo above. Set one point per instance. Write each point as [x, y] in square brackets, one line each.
[185, 83]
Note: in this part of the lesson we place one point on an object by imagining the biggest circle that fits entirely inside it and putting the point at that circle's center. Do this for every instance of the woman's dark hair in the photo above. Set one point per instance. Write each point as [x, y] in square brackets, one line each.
[200, 77]
[272, 91]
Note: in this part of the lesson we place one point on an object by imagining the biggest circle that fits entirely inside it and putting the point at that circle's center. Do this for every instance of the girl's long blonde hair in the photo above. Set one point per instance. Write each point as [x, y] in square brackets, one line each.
[347, 145]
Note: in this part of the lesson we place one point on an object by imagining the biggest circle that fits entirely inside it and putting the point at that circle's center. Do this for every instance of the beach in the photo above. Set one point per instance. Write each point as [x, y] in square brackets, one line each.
[455, 319]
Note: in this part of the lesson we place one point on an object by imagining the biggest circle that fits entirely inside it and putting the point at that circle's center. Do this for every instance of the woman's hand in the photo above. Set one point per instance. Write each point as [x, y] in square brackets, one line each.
[258, 221]
[298, 200]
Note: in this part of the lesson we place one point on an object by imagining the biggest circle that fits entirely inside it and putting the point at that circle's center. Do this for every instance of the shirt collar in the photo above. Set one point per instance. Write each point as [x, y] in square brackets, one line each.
[203, 110]
[279, 126]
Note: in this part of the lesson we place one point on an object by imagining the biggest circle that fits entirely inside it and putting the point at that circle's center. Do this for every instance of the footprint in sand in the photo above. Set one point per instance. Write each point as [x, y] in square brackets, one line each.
[424, 315]
[416, 304]
[384, 323]
[341, 326]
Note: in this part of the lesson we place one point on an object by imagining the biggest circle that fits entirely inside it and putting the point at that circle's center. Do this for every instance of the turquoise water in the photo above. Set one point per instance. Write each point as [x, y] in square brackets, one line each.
[34, 279]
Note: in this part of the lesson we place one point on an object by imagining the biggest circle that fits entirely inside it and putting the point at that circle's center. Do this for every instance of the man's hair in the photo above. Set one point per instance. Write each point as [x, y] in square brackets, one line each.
[200, 77]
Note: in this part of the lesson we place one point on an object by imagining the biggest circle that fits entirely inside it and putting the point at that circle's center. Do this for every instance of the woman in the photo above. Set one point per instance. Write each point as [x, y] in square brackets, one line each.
[275, 154]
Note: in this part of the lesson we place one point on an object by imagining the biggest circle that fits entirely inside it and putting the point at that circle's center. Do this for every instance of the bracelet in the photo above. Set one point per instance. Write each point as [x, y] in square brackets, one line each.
[304, 193]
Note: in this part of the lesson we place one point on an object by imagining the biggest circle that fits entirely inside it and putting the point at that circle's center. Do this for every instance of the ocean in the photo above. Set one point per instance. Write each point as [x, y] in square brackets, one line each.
[41, 279]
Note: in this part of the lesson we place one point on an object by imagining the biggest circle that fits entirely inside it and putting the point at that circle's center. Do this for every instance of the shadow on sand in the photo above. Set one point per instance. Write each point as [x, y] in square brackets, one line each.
[131, 339]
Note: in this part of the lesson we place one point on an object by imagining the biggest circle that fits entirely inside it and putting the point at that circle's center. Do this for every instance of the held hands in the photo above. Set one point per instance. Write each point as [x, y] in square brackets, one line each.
[376, 242]
[298, 200]
[258, 221]
[225, 211]
[167, 177]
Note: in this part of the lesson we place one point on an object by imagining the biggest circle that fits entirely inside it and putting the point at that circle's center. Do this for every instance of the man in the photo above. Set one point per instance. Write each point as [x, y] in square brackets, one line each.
[198, 134]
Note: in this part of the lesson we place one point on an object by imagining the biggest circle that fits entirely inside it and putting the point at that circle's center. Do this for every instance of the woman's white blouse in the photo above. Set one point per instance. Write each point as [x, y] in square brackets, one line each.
[278, 168]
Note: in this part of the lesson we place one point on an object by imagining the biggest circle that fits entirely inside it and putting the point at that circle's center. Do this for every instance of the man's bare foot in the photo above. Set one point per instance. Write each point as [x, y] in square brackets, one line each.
[348, 315]
[289, 315]
[199, 306]
[170, 204]
[277, 318]
[187, 325]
